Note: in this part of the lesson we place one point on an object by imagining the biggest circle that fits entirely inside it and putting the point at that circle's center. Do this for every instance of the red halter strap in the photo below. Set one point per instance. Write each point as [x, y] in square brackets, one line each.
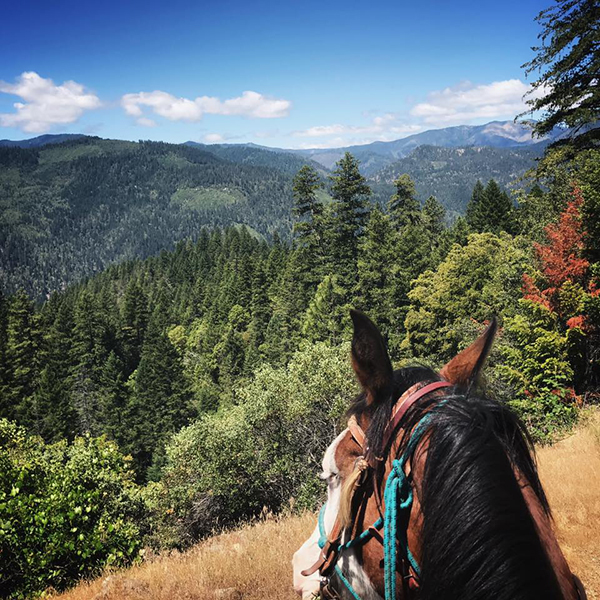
[406, 401]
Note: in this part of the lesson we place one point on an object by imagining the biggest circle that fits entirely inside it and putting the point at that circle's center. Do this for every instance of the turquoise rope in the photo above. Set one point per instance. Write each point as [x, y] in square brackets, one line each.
[398, 495]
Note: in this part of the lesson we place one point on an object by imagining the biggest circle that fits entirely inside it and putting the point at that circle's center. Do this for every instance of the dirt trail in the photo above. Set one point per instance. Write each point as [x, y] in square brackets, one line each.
[253, 563]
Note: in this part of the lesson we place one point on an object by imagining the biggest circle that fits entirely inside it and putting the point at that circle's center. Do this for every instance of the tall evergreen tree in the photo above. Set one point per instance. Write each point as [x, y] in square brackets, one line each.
[135, 320]
[377, 267]
[88, 353]
[568, 61]
[475, 214]
[57, 418]
[309, 228]
[403, 207]
[491, 210]
[350, 193]
[161, 400]
[21, 355]
[324, 320]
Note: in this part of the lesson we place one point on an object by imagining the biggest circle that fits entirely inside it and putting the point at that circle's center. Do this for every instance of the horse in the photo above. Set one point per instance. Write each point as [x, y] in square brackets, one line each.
[432, 491]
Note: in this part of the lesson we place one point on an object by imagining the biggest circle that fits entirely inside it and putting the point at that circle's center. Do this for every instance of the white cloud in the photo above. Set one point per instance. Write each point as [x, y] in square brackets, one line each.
[249, 104]
[466, 102]
[46, 104]
[386, 127]
[460, 104]
[214, 138]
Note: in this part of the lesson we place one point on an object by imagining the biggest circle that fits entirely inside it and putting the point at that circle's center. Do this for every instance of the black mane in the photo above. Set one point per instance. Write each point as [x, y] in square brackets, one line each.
[478, 539]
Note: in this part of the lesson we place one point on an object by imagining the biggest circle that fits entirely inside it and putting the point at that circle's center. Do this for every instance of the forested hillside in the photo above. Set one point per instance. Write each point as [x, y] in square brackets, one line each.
[451, 173]
[245, 154]
[70, 210]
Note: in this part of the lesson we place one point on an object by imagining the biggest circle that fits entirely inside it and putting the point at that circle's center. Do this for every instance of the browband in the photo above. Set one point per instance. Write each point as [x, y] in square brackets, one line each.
[406, 401]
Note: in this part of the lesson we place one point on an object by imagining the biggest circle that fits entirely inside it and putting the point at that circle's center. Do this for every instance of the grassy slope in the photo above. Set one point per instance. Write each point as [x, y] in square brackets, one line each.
[254, 562]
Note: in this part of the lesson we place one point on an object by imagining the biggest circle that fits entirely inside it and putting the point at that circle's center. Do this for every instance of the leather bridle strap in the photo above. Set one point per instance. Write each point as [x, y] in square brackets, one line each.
[357, 433]
[404, 405]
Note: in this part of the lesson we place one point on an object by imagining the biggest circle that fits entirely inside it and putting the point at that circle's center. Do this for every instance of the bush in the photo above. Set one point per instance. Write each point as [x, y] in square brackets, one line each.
[536, 368]
[66, 511]
[260, 452]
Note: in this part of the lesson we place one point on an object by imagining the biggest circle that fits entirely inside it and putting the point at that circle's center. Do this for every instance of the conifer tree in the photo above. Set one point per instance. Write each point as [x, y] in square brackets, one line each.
[350, 193]
[87, 356]
[475, 214]
[113, 398]
[56, 415]
[161, 400]
[403, 206]
[309, 228]
[135, 320]
[261, 314]
[377, 266]
[490, 209]
[324, 320]
[21, 355]
[568, 62]
[434, 216]
[307, 208]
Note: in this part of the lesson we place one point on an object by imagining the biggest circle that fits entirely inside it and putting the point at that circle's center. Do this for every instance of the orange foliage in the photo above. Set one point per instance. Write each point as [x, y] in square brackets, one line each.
[561, 258]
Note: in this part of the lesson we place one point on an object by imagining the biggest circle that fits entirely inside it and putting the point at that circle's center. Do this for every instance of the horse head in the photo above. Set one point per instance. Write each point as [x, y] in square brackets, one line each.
[432, 491]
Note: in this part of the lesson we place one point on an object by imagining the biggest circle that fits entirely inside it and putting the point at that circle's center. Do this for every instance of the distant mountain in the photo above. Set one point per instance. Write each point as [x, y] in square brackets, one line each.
[377, 155]
[449, 174]
[41, 140]
[69, 210]
[260, 156]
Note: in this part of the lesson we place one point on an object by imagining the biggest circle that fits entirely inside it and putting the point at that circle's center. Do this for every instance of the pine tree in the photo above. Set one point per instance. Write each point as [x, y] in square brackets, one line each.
[490, 209]
[87, 356]
[434, 216]
[403, 206]
[350, 192]
[434, 223]
[161, 400]
[568, 61]
[376, 268]
[21, 355]
[309, 229]
[135, 320]
[475, 214]
[500, 209]
[57, 418]
[307, 207]
[324, 320]
[261, 314]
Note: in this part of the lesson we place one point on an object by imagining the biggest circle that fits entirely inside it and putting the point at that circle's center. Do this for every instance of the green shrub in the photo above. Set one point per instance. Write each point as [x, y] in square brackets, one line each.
[260, 452]
[66, 511]
[536, 368]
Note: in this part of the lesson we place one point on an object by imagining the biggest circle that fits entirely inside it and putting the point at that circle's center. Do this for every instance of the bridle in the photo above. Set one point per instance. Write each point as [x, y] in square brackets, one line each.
[398, 495]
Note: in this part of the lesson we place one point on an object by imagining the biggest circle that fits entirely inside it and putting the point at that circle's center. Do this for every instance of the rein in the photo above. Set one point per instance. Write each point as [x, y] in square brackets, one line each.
[398, 495]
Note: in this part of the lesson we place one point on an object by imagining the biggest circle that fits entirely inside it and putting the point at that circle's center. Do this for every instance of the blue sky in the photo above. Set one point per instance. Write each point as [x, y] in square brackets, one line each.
[287, 74]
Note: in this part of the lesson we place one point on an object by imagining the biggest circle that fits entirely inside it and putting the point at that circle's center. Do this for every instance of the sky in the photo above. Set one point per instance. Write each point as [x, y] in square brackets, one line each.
[282, 74]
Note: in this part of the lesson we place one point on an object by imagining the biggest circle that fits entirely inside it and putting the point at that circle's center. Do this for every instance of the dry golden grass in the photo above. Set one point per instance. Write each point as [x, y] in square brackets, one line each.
[254, 562]
[570, 472]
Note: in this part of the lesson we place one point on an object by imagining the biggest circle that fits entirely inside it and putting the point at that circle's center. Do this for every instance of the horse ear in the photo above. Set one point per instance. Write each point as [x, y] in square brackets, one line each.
[465, 367]
[370, 359]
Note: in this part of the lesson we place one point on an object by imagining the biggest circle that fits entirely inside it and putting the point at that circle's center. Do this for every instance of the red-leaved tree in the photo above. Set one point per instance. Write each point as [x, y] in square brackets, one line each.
[561, 261]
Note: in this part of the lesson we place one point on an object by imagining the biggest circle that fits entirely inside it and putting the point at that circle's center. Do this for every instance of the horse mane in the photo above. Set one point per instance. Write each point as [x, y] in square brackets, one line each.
[478, 538]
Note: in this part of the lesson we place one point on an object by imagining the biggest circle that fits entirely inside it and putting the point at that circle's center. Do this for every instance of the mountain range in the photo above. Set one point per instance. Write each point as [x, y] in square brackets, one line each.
[72, 205]
[377, 155]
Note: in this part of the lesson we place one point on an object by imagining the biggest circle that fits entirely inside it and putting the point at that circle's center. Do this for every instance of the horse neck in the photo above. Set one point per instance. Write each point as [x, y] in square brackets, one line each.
[478, 535]
[545, 531]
